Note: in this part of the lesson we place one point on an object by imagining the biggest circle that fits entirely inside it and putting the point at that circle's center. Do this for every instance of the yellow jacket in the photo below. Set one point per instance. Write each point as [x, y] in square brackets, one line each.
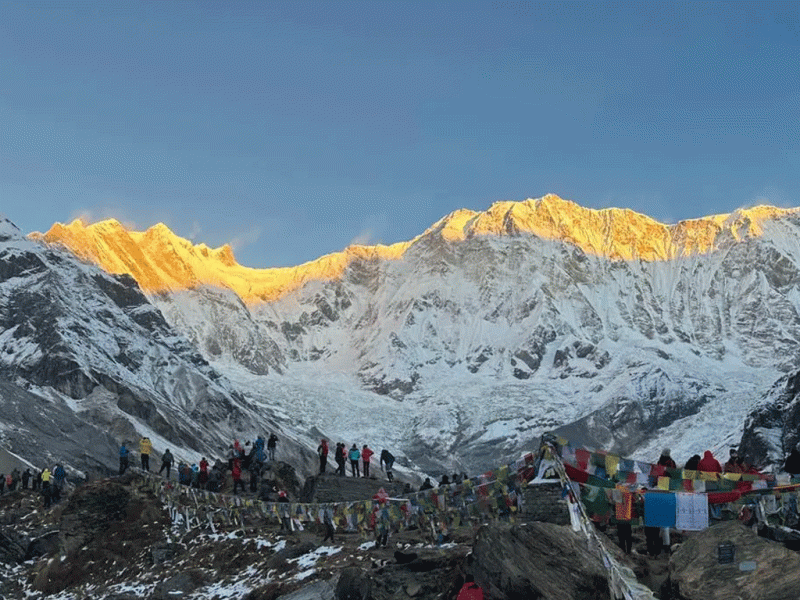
[145, 446]
[46, 475]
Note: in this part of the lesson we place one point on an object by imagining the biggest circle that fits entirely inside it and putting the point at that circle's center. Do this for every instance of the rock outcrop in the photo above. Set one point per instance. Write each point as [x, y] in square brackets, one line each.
[536, 561]
[761, 569]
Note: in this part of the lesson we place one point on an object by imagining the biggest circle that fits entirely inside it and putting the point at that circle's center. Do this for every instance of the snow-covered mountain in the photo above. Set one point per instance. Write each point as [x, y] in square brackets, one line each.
[86, 362]
[459, 347]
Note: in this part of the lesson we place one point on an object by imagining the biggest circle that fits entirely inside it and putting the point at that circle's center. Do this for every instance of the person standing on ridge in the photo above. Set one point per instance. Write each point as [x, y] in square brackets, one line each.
[691, 464]
[45, 478]
[734, 464]
[366, 454]
[322, 450]
[202, 478]
[26, 477]
[145, 447]
[387, 458]
[236, 470]
[59, 475]
[123, 458]
[340, 458]
[16, 477]
[272, 443]
[166, 462]
[665, 460]
[354, 455]
[709, 464]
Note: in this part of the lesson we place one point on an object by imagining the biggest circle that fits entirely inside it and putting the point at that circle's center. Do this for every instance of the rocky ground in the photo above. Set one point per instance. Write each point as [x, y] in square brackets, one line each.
[113, 538]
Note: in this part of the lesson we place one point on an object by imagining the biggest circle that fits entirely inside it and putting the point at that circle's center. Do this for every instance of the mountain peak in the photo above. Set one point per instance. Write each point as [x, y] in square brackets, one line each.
[160, 260]
[615, 233]
[8, 231]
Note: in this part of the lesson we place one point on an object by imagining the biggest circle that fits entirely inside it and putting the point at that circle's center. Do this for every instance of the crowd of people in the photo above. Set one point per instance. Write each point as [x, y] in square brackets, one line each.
[658, 538]
[50, 484]
[360, 460]
[709, 464]
[247, 465]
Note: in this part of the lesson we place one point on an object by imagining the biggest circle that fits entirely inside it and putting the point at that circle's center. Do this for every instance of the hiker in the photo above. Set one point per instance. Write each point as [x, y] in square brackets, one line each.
[735, 463]
[354, 455]
[45, 477]
[272, 443]
[59, 474]
[691, 464]
[26, 477]
[445, 480]
[202, 478]
[327, 520]
[366, 454]
[215, 478]
[36, 484]
[665, 460]
[2, 482]
[123, 458]
[166, 462]
[470, 590]
[236, 470]
[387, 461]
[259, 454]
[55, 492]
[13, 480]
[426, 485]
[652, 537]
[255, 471]
[340, 459]
[322, 451]
[47, 494]
[145, 447]
[792, 464]
[709, 464]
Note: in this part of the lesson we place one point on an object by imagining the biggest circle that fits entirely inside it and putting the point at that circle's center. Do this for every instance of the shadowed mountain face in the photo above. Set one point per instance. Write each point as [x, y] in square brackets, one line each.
[86, 362]
[458, 348]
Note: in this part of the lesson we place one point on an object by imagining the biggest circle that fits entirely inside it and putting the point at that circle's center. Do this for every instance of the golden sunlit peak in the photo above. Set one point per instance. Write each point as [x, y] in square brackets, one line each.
[159, 260]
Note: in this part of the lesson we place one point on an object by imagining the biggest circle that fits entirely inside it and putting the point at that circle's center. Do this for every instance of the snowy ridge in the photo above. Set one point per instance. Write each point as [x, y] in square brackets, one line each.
[159, 260]
[101, 360]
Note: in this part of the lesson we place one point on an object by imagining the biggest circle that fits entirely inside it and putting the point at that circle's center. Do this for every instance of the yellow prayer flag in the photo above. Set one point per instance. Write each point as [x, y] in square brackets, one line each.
[612, 464]
[663, 483]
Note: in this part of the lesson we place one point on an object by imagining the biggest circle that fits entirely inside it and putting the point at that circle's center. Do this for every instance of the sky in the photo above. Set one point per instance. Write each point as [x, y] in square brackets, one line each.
[293, 129]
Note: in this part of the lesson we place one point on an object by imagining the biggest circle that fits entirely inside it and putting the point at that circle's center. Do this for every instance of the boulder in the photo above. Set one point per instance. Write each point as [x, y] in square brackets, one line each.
[353, 584]
[317, 590]
[760, 569]
[536, 561]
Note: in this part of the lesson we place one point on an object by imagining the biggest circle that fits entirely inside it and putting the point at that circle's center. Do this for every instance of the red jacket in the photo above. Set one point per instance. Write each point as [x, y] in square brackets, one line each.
[237, 468]
[709, 464]
[366, 454]
[470, 591]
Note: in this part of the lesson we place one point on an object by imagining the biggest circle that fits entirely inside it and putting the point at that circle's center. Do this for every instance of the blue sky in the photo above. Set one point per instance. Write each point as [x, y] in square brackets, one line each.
[292, 129]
